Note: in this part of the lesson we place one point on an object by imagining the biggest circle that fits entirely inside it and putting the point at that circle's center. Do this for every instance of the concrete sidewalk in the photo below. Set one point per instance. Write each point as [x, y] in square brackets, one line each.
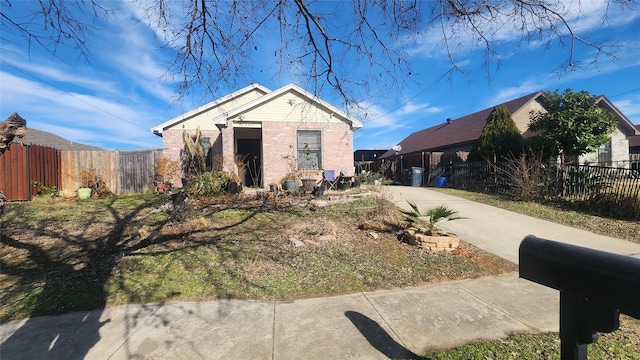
[377, 325]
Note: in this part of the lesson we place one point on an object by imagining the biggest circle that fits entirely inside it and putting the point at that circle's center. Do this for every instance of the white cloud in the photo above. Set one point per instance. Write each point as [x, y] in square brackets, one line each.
[510, 93]
[584, 17]
[78, 117]
[421, 109]
[630, 107]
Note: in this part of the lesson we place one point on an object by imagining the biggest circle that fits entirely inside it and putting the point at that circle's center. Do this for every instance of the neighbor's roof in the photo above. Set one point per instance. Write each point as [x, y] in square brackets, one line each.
[44, 138]
[355, 123]
[624, 123]
[455, 131]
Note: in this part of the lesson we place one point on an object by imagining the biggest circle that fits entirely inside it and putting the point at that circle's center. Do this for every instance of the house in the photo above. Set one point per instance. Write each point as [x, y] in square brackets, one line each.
[451, 141]
[367, 160]
[634, 149]
[267, 134]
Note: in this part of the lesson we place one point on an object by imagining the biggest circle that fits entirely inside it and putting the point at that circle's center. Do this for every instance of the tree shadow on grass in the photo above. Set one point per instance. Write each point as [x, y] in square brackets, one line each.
[378, 337]
[56, 280]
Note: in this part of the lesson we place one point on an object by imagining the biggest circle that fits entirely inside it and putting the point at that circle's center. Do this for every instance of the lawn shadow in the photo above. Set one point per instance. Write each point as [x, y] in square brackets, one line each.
[378, 337]
[72, 287]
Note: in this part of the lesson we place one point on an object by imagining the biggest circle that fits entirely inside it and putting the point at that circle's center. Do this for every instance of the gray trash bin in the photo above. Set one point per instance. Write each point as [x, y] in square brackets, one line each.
[416, 176]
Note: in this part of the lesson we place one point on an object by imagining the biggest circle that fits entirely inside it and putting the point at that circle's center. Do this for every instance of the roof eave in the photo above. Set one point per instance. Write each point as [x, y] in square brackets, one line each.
[354, 123]
[158, 129]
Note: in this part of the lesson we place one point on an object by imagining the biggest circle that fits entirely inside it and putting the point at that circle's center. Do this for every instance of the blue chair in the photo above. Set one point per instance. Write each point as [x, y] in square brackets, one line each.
[330, 179]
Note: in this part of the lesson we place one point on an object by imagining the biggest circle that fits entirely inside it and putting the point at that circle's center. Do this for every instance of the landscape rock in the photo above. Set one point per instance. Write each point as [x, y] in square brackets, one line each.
[436, 243]
[325, 238]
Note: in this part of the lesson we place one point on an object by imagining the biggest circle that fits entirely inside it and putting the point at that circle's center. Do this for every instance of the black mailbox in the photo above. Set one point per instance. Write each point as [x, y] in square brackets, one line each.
[595, 287]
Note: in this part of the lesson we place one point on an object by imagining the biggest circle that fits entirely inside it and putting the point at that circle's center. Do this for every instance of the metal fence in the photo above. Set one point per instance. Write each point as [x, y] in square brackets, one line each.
[605, 190]
[22, 165]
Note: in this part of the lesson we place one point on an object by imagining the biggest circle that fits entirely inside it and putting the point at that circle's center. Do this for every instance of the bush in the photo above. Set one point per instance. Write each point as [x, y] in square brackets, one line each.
[209, 184]
[524, 176]
[45, 191]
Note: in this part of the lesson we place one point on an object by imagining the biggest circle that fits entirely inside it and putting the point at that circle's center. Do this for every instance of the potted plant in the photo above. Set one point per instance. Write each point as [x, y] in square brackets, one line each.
[290, 179]
[429, 237]
[290, 182]
[87, 180]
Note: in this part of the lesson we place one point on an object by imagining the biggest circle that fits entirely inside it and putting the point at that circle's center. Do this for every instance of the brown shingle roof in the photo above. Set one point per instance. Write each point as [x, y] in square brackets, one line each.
[455, 132]
[39, 137]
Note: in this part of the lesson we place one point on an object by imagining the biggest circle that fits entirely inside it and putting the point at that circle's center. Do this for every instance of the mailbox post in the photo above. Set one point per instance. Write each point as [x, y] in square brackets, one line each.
[595, 287]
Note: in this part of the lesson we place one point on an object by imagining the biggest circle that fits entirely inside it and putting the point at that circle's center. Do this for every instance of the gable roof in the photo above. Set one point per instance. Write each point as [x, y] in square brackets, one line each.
[458, 131]
[267, 96]
[44, 138]
[625, 125]
[222, 119]
[158, 129]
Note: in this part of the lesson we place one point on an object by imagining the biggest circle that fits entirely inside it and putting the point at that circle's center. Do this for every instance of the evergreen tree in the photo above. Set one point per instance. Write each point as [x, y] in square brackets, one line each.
[500, 137]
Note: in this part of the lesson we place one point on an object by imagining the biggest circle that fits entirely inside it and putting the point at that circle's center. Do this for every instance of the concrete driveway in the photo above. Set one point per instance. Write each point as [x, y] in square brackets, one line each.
[500, 231]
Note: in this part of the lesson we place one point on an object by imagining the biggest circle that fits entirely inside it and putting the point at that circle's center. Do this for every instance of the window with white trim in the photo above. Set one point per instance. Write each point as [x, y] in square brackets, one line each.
[309, 150]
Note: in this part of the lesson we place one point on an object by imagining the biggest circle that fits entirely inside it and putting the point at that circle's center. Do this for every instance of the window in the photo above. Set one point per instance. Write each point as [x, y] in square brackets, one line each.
[604, 154]
[206, 149]
[309, 150]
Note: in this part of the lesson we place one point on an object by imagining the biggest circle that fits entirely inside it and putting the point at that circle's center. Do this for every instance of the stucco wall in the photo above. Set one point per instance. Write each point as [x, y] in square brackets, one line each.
[522, 117]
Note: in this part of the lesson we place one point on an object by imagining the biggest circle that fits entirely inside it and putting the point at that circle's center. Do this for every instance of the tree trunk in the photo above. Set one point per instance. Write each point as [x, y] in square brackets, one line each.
[13, 126]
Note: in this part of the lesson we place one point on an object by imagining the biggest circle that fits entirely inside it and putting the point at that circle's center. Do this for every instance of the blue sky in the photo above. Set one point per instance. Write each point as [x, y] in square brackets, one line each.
[113, 98]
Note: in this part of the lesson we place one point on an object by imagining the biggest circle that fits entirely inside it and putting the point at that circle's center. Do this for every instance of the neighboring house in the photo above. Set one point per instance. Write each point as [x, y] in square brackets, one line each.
[634, 149]
[273, 132]
[43, 138]
[367, 160]
[451, 141]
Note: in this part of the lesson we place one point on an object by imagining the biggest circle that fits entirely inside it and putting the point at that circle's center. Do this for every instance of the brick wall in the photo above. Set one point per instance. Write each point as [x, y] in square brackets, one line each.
[172, 146]
[278, 142]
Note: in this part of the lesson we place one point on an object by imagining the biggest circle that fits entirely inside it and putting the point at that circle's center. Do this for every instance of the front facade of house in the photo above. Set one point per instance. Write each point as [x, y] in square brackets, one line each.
[452, 141]
[263, 135]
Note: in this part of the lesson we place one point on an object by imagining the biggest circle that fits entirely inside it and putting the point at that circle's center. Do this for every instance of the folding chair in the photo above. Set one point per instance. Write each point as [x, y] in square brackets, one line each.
[329, 178]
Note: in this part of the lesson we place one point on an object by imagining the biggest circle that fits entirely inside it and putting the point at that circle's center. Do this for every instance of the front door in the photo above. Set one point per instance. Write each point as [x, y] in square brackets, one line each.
[251, 151]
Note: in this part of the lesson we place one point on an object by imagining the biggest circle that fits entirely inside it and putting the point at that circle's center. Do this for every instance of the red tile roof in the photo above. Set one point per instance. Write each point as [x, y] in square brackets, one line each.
[454, 132]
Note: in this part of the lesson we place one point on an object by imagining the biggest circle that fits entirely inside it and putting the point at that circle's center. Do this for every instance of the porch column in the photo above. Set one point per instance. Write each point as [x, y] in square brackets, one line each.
[228, 148]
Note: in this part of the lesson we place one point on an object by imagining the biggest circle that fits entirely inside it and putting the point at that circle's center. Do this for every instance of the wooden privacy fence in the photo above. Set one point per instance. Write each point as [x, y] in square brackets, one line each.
[21, 165]
[123, 172]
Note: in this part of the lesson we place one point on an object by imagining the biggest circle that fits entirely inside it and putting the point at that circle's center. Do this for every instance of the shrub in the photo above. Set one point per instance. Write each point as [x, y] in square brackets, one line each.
[209, 184]
[434, 215]
[166, 168]
[45, 191]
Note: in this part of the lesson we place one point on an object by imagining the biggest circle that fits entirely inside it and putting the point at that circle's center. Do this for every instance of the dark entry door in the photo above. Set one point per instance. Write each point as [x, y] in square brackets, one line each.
[251, 150]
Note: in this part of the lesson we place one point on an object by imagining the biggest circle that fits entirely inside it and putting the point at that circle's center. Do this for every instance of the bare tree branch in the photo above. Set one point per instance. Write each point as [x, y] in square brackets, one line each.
[357, 47]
